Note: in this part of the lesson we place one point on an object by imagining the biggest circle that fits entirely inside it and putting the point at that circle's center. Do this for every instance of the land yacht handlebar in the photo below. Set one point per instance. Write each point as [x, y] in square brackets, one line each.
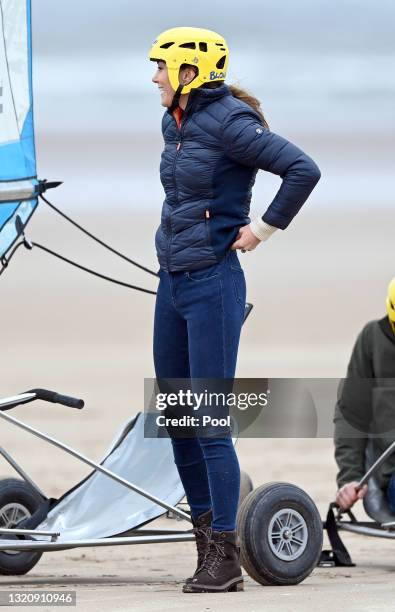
[40, 394]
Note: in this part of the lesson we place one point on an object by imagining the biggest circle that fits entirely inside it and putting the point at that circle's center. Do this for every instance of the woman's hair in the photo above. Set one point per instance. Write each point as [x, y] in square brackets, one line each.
[244, 95]
[248, 98]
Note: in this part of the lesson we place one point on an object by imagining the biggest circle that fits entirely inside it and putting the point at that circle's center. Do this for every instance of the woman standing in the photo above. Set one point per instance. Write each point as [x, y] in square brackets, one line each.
[216, 139]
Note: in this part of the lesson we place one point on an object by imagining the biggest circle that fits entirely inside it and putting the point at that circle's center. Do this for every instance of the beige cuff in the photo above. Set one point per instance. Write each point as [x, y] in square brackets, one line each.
[262, 230]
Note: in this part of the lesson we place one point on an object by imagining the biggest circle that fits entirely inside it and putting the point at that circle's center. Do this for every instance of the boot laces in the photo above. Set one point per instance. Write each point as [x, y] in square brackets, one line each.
[202, 535]
[214, 557]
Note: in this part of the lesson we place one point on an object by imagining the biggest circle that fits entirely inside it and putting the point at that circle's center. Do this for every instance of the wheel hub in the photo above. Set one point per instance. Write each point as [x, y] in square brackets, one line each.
[287, 534]
[10, 516]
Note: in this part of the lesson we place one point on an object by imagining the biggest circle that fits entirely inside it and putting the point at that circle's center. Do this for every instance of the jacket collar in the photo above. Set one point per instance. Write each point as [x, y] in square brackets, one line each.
[387, 329]
[202, 97]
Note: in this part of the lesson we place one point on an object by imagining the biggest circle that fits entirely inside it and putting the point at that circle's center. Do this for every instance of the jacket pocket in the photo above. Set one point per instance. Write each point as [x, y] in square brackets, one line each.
[203, 274]
[207, 217]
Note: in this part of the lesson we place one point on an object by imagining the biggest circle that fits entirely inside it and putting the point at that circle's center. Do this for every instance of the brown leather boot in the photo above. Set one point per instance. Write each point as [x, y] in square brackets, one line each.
[220, 571]
[202, 531]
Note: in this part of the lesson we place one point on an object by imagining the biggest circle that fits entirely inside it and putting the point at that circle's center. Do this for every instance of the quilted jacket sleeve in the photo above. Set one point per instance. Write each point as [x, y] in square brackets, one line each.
[248, 142]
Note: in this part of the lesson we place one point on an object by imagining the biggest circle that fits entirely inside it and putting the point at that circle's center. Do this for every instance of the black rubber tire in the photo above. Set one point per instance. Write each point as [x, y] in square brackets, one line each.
[253, 521]
[246, 486]
[18, 491]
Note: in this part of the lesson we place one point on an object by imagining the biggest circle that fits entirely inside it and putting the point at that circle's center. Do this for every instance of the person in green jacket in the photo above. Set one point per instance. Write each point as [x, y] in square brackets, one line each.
[367, 406]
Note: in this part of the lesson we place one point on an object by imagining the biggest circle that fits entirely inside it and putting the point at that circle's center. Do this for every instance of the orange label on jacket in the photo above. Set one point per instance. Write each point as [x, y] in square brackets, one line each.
[177, 114]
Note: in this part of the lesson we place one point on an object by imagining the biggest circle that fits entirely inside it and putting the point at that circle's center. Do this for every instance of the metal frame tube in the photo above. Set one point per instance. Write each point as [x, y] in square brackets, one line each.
[97, 466]
[17, 399]
[368, 531]
[23, 545]
[21, 472]
[5, 531]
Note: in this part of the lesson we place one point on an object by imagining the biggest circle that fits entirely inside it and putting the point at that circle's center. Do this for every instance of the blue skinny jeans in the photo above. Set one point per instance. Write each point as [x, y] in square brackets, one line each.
[198, 320]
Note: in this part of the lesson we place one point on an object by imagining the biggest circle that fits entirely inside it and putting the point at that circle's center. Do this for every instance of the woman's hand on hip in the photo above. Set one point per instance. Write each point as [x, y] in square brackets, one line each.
[246, 241]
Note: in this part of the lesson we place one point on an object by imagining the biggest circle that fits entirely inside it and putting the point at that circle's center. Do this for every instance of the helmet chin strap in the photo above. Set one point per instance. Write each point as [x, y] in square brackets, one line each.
[176, 98]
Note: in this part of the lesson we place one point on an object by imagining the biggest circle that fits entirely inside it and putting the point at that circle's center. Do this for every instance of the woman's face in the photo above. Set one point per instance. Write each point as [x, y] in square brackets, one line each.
[161, 79]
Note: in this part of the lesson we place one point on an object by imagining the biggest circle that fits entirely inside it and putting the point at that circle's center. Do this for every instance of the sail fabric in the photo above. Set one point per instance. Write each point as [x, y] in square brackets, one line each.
[99, 507]
[18, 181]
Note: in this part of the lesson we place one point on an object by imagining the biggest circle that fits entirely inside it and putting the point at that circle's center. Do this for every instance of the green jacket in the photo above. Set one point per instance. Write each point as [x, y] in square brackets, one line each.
[366, 403]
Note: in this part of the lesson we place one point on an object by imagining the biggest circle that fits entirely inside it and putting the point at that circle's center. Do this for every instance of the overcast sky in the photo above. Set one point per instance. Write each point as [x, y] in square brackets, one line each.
[95, 26]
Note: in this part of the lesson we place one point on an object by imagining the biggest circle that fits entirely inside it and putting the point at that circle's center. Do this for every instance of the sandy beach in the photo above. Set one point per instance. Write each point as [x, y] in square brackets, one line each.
[313, 287]
[321, 72]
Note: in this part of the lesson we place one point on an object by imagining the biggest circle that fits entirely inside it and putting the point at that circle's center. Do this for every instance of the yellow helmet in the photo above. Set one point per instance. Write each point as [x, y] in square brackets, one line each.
[204, 49]
[391, 303]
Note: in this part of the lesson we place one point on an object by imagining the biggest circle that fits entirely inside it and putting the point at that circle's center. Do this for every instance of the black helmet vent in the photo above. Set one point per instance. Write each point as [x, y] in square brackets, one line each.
[203, 47]
[221, 62]
[190, 45]
[166, 45]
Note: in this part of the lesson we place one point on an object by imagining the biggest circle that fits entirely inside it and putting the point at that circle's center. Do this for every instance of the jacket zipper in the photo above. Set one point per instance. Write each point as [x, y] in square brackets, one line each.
[178, 147]
[207, 216]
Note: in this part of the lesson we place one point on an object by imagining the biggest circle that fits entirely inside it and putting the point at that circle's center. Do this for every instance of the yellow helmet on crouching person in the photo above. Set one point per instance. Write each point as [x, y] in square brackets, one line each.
[391, 303]
[204, 49]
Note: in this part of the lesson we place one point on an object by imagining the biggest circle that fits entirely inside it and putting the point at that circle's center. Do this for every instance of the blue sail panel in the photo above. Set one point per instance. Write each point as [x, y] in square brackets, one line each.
[16, 99]
[8, 226]
[18, 182]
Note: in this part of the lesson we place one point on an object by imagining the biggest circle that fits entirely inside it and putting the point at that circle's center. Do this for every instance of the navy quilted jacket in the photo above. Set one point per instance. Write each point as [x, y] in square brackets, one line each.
[208, 169]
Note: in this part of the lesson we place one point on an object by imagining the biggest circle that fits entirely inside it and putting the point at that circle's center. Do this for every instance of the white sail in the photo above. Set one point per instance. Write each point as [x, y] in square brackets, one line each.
[14, 69]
